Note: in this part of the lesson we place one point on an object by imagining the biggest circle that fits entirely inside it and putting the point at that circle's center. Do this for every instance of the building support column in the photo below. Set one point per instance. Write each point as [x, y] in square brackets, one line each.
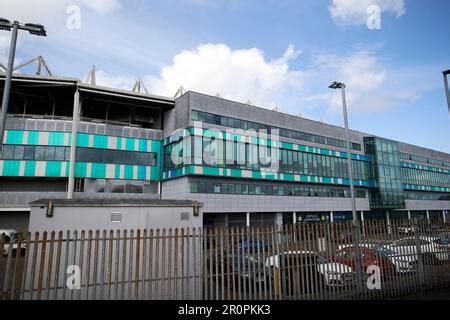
[331, 216]
[388, 221]
[409, 215]
[428, 216]
[444, 216]
[294, 218]
[247, 219]
[73, 146]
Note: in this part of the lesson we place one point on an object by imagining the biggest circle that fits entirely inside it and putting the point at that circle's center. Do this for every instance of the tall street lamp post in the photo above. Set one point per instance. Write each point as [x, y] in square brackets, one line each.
[447, 89]
[359, 270]
[34, 29]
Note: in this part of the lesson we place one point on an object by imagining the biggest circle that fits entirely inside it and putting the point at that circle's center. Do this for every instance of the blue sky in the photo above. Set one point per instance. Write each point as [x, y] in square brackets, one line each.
[272, 53]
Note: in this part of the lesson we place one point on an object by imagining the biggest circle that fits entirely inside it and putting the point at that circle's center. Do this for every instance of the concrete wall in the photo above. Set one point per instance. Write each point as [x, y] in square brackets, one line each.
[86, 218]
[177, 118]
[427, 205]
[226, 203]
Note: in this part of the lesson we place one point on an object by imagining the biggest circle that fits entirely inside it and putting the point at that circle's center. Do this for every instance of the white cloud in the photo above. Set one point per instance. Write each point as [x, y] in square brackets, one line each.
[371, 86]
[113, 81]
[245, 74]
[102, 6]
[4, 46]
[48, 11]
[240, 75]
[353, 12]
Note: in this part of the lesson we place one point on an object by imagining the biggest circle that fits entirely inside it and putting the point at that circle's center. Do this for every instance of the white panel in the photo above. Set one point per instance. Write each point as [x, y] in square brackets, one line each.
[25, 137]
[21, 168]
[121, 171]
[43, 138]
[91, 141]
[198, 170]
[135, 172]
[63, 169]
[147, 173]
[88, 169]
[246, 174]
[112, 142]
[66, 138]
[40, 169]
[110, 171]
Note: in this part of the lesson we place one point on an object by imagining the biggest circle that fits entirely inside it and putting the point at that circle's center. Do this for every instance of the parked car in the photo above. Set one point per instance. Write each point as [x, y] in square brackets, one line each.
[388, 260]
[369, 257]
[241, 263]
[313, 270]
[406, 230]
[243, 267]
[11, 236]
[402, 263]
[432, 251]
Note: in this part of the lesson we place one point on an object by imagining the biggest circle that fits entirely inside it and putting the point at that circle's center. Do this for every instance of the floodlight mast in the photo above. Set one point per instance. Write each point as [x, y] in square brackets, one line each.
[32, 28]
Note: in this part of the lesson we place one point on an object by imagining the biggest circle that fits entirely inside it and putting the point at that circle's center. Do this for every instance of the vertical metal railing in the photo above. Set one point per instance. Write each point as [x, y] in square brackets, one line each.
[291, 262]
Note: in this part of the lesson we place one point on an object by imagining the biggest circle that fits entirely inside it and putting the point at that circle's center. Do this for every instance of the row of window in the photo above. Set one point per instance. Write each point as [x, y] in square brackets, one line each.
[238, 155]
[271, 190]
[296, 162]
[50, 153]
[427, 178]
[119, 186]
[246, 125]
[414, 195]
[413, 157]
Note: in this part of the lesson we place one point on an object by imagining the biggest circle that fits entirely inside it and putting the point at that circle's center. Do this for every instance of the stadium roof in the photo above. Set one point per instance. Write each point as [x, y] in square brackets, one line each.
[35, 82]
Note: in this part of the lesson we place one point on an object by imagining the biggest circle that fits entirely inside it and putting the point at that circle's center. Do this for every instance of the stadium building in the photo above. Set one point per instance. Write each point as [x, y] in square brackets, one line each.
[68, 139]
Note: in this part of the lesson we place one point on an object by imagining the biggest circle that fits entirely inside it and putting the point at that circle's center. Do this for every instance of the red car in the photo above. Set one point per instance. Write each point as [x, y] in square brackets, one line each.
[370, 257]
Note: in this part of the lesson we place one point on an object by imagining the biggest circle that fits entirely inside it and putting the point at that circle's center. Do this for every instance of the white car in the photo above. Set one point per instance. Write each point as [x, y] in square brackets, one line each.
[402, 262]
[335, 274]
[11, 234]
[430, 248]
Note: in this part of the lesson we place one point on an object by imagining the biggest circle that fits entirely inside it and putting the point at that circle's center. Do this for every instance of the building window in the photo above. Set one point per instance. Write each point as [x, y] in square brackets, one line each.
[271, 189]
[243, 124]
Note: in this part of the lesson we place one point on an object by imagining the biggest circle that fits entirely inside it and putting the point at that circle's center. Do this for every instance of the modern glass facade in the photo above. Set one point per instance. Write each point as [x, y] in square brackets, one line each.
[51, 153]
[430, 196]
[240, 155]
[283, 132]
[388, 193]
[416, 158]
[425, 177]
[271, 190]
[32, 153]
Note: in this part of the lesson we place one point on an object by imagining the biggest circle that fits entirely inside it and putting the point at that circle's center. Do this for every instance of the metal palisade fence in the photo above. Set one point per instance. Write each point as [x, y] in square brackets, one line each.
[327, 260]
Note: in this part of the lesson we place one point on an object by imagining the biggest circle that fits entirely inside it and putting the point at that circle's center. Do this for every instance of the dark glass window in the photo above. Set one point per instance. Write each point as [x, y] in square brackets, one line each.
[115, 157]
[18, 152]
[59, 154]
[39, 153]
[50, 153]
[242, 124]
[8, 152]
[28, 153]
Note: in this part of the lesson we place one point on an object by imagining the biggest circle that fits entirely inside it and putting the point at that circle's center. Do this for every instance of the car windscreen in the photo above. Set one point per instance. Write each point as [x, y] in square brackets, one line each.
[384, 252]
